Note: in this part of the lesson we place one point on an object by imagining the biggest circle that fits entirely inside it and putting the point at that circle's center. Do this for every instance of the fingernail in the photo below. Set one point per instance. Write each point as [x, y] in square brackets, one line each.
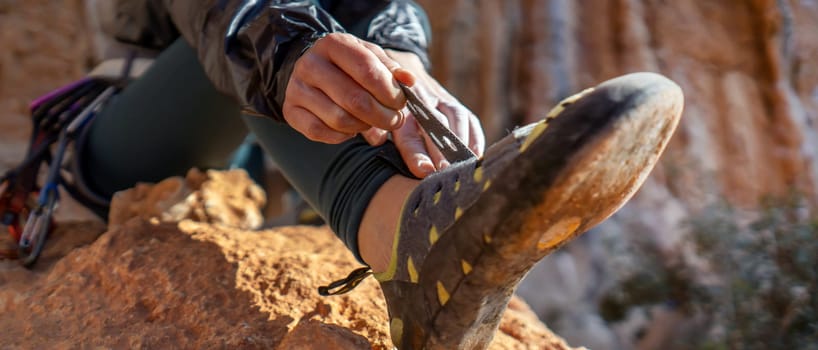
[372, 136]
[443, 164]
[404, 75]
[426, 166]
[383, 135]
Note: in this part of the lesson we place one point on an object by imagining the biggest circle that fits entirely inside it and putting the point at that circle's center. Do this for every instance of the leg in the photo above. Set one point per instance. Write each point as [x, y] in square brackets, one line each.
[352, 185]
[169, 120]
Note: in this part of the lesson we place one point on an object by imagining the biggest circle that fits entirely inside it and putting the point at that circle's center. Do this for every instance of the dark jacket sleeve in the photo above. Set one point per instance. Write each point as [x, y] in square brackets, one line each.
[400, 25]
[248, 48]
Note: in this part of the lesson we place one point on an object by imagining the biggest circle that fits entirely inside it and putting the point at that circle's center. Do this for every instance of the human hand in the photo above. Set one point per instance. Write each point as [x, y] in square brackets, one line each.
[416, 148]
[343, 86]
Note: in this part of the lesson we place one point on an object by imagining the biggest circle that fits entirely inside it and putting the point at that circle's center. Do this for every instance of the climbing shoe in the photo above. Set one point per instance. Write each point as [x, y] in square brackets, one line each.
[469, 233]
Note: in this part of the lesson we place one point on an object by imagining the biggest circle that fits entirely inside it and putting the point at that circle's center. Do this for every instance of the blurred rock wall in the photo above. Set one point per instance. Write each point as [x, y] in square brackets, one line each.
[748, 69]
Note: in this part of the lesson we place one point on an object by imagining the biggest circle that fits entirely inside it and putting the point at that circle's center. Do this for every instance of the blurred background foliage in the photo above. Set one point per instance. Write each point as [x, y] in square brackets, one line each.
[754, 285]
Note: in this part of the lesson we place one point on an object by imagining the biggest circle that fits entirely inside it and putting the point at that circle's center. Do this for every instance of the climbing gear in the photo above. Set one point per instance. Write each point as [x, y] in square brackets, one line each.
[58, 117]
[469, 233]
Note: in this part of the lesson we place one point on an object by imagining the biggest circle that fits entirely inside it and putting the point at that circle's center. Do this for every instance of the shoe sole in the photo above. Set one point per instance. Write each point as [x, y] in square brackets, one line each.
[589, 160]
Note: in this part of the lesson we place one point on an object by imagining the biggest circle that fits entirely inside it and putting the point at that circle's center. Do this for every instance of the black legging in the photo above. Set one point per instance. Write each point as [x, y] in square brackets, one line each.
[172, 119]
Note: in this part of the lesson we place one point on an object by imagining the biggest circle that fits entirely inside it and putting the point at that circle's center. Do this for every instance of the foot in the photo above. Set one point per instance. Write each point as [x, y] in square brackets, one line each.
[468, 234]
[380, 221]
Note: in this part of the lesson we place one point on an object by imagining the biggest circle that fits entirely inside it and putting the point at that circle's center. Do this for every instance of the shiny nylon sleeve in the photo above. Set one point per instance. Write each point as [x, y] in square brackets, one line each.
[402, 25]
[248, 47]
[393, 24]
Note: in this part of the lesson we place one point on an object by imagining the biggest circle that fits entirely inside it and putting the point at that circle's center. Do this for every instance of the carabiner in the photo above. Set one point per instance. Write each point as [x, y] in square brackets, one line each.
[38, 226]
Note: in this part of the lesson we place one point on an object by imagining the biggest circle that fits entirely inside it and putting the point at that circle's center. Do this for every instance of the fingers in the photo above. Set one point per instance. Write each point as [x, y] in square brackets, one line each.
[330, 113]
[404, 76]
[438, 159]
[343, 86]
[421, 154]
[375, 136]
[345, 92]
[366, 64]
[412, 147]
[465, 125]
[452, 115]
[312, 127]
[399, 73]
[459, 120]
[477, 139]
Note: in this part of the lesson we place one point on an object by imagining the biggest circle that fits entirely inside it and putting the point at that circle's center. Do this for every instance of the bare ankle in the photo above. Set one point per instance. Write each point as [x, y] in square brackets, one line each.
[380, 221]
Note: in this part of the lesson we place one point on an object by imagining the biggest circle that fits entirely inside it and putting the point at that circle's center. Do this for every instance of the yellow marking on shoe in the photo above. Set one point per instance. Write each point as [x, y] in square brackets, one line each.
[486, 238]
[457, 185]
[442, 294]
[559, 232]
[393, 259]
[535, 133]
[554, 112]
[538, 130]
[466, 267]
[413, 273]
[458, 213]
[486, 185]
[396, 330]
[437, 197]
[433, 236]
[478, 174]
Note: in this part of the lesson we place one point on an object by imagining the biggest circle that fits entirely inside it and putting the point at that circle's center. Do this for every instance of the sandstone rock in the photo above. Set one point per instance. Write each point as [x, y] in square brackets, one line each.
[157, 284]
[227, 198]
[746, 67]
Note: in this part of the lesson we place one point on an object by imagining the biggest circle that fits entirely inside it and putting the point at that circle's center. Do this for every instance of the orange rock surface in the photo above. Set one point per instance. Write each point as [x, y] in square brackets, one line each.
[149, 282]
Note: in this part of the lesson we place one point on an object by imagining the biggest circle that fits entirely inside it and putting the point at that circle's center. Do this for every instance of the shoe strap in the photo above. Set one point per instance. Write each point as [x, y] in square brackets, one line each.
[347, 284]
[444, 139]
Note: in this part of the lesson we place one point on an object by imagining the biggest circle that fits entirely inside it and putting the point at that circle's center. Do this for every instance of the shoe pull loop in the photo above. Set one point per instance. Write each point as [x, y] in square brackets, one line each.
[452, 147]
[347, 284]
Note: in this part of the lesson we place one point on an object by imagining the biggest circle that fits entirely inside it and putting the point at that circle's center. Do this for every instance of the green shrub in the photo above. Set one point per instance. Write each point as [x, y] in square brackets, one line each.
[750, 285]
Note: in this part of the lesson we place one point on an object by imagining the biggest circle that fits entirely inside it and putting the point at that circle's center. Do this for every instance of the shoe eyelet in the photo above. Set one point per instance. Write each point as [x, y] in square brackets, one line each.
[438, 193]
[457, 182]
[416, 206]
